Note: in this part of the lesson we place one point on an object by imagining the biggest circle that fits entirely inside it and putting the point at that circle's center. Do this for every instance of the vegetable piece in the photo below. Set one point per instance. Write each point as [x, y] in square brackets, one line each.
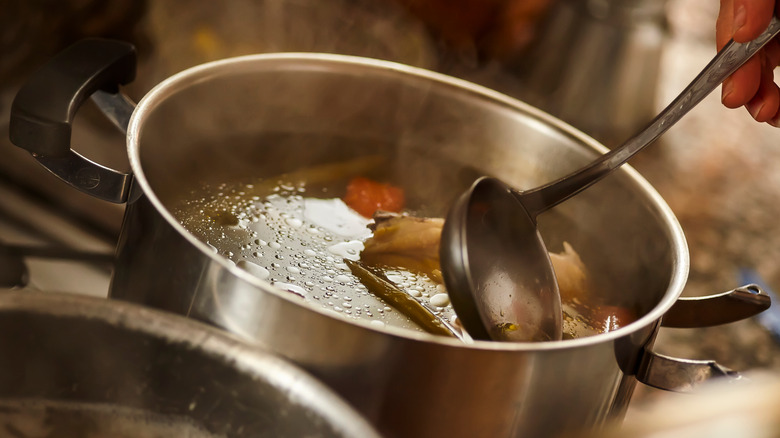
[405, 242]
[367, 196]
[400, 300]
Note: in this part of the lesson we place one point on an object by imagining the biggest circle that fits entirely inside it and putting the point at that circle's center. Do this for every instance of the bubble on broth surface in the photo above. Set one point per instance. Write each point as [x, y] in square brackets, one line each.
[254, 269]
[296, 239]
[440, 300]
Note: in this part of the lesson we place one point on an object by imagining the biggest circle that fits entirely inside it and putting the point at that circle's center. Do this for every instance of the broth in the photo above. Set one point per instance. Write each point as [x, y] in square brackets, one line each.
[296, 235]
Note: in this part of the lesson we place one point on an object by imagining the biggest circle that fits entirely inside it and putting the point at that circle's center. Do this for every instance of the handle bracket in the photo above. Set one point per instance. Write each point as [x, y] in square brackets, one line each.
[43, 110]
[680, 375]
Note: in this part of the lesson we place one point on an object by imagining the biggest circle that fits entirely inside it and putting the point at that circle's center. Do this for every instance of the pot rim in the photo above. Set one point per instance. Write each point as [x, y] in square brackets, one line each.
[680, 262]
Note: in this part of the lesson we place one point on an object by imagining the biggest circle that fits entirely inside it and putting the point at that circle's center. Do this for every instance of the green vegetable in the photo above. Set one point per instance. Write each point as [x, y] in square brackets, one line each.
[400, 300]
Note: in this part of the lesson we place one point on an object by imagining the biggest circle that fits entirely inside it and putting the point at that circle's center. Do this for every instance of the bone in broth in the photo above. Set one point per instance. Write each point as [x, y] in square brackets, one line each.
[319, 242]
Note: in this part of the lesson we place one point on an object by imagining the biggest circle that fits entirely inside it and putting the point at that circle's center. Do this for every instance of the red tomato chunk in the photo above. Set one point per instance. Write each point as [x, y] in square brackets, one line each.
[367, 196]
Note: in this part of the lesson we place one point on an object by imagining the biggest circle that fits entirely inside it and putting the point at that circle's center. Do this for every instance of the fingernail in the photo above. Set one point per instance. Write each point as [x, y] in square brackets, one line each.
[754, 108]
[740, 17]
[728, 87]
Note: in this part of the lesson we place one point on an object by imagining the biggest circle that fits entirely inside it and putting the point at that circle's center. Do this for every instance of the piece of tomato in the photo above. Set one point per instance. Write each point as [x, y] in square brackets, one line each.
[367, 196]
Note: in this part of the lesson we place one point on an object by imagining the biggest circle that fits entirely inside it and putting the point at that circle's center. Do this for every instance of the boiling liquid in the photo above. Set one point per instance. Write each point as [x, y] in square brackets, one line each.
[296, 238]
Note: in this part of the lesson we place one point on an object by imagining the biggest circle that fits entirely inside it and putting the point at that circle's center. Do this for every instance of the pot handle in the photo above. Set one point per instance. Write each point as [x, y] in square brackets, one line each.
[680, 375]
[683, 375]
[722, 308]
[43, 110]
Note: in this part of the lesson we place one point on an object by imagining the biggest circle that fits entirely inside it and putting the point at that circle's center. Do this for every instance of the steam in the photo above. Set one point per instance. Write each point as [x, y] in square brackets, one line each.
[184, 34]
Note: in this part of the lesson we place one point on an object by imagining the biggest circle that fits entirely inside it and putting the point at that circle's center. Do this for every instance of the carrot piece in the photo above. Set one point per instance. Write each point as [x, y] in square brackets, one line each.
[367, 196]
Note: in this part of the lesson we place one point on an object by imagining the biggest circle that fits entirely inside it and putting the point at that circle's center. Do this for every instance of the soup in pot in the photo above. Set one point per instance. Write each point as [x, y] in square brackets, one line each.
[340, 237]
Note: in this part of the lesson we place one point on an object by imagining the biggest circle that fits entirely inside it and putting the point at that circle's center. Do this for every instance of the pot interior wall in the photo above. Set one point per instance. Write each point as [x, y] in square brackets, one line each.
[263, 117]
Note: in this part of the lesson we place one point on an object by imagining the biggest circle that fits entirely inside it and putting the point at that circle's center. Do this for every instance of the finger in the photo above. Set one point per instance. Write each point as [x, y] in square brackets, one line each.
[768, 93]
[743, 85]
[772, 52]
[750, 18]
[773, 58]
[763, 106]
[775, 121]
[723, 32]
[724, 27]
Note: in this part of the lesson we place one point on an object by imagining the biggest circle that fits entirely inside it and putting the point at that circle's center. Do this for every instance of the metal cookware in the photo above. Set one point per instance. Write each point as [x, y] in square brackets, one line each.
[264, 115]
[80, 366]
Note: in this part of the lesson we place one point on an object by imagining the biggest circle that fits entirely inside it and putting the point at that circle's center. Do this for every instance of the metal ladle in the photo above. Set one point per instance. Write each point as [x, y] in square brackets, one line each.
[495, 265]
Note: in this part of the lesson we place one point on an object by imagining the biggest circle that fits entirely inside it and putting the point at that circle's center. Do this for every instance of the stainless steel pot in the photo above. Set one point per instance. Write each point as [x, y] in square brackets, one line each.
[76, 366]
[260, 116]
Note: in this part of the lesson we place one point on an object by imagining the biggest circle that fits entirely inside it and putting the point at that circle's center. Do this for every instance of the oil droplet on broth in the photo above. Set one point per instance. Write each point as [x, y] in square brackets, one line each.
[347, 250]
[298, 241]
[297, 290]
[440, 300]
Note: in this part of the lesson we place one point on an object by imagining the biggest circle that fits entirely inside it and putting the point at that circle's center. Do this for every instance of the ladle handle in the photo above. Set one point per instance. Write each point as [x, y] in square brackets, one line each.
[726, 62]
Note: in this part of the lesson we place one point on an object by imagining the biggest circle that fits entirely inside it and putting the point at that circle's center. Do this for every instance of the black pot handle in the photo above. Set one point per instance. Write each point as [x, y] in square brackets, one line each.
[43, 110]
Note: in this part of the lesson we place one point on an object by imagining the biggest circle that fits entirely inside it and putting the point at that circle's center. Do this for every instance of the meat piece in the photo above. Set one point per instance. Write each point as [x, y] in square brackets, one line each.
[405, 242]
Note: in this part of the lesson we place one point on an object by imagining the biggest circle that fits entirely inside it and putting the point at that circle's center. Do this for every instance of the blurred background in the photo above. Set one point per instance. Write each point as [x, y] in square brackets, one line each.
[605, 66]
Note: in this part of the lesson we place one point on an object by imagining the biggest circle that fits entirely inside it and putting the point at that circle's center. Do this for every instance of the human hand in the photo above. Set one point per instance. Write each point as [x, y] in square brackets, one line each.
[753, 84]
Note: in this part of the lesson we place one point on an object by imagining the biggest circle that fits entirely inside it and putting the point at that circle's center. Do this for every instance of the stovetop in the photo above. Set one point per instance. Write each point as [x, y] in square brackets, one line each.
[60, 252]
